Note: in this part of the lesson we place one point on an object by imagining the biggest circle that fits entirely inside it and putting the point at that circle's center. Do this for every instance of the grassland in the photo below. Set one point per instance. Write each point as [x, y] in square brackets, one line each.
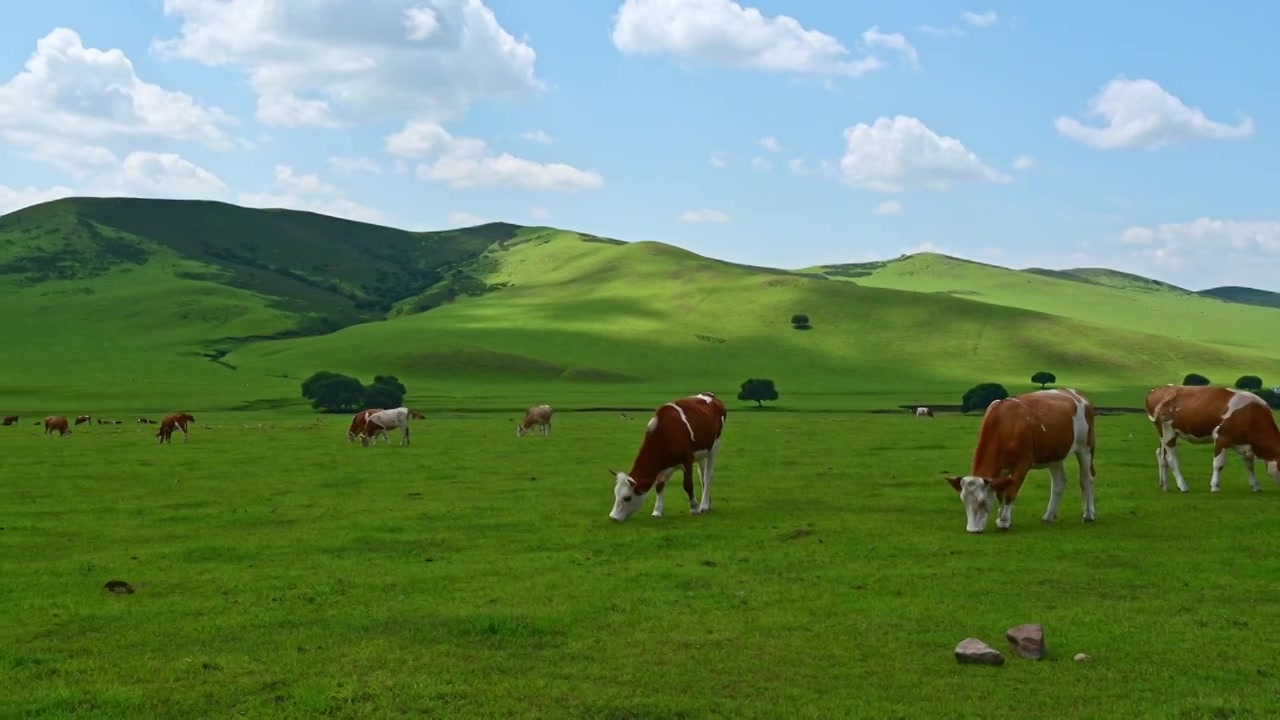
[282, 572]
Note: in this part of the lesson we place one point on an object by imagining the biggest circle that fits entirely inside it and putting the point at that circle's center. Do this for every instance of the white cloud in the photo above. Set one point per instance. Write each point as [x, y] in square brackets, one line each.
[1236, 252]
[466, 219]
[798, 166]
[538, 213]
[894, 153]
[469, 162]
[888, 207]
[761, 164]
[724, 33]
[336, 61]
[1139, 114]
[68, 94]
[985, 19]
[12, 199]
[310, 193]
[935, 30]
[771, 144]
[353, 165]
[705, 215]
[1023, 162]
[537, 136]
[718, 159]
[893, 41]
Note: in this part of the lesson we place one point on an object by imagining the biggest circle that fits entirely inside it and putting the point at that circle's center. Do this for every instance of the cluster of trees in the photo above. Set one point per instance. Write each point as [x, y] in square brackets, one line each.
[980, 396]
[332, 392]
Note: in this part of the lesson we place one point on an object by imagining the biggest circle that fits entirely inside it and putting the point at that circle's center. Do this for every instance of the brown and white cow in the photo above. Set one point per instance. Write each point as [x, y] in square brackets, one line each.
[144, 421]
[1230, 419]
[10, 420]
[923, 412]
[537, 416]
[680, 433]
[58, 423]
[383, 420]
[174, 421]
[82, 419]
[358, 422]
[1031, 431]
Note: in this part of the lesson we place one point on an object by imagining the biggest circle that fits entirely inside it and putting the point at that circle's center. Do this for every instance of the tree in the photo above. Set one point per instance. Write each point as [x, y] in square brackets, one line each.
[758, 390]
[800, 321]
[1270, 397]
[332, 392]
[310, 384]
[391, 381]
[1195, 379]
[1249, 382]
[980, 396]
[1043, 378]
[383, 395]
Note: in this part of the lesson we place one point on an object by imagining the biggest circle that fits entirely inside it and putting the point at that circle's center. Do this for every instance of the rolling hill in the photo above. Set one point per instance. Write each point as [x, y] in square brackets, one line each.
[134, 304]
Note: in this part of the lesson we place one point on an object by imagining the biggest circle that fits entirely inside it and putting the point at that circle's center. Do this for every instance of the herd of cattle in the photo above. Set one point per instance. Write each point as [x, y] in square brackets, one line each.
[1035, 430]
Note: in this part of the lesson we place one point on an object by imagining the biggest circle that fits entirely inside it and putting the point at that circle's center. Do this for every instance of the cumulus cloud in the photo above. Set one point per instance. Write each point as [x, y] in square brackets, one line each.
[893, 41]
[325, 62]
[1205, 251]
[12, 199]
[901, 152]
[985, 19]
[726, 34]
[1139, 114]
[1023, 162]
[771, 144]
[888, 207]
[537, 136]
[705, 215]
[469, 162]
[308, 192]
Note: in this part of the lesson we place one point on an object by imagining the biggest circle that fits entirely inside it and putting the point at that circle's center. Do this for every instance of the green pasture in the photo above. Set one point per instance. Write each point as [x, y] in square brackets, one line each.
[282, 572]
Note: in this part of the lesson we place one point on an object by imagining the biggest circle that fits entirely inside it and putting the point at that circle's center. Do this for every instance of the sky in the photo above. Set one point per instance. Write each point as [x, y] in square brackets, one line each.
[788, 134]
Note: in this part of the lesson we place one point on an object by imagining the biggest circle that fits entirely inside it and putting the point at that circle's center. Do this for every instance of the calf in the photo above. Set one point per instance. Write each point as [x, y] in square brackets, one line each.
[10, 419]
[1230, 419]
[384, 420]
[170, 422]
[58, 423]
[82, 419]
[538, 415]
[358, 422]
[680, 433]
[1031, 431]
[924, 412]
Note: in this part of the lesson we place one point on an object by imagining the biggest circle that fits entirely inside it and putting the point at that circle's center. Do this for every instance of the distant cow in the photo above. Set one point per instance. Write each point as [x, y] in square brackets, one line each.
[384, 420]
[174, 421]
[680, 433]
[144, 421]
[923, 412]
[1025, 432]
[1230, 419]
[58, 423]
[10, 419]
[537, 416]
[358, 422]
[82, 419]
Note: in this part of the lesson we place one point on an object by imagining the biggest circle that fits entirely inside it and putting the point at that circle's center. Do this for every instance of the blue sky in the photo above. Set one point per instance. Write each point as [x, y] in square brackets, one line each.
[784, 134]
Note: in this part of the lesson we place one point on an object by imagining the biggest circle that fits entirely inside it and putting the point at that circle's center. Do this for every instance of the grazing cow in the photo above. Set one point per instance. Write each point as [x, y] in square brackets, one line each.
[924, 412]
[539, 415]
[384, 420]
[82, 419]
[1230, 419]
[10, 419]
[175, 420]
[1025, 432]
[680, 433]
[58, 423]
[144, 421]
[358, 423]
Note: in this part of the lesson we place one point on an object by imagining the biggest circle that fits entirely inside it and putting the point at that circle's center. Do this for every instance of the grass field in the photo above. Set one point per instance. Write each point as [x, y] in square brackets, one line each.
[282, 572]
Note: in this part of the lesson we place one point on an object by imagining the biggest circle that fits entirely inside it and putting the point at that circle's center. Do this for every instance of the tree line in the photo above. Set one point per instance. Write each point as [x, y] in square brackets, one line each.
[981, 395]
[332, 392]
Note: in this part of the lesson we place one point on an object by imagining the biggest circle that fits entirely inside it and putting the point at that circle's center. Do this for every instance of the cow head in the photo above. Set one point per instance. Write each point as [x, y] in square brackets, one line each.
[521, 430]
[626, 497]
[978, 495]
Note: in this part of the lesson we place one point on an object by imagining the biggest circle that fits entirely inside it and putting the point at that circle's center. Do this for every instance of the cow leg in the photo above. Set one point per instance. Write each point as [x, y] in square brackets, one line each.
[1084, 456]
[1169, 443]
[708, 472]
[1057, 486]
[659, 486]
[687, 469]
[1004, 517]
[1247, 457]
[404, 433]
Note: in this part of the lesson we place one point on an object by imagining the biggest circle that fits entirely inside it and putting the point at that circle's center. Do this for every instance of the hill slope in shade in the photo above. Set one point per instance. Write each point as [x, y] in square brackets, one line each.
[142, 303]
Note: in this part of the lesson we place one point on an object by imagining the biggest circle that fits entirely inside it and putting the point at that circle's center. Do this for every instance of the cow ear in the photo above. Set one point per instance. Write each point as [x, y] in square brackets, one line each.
[613, 473]
[955, 481]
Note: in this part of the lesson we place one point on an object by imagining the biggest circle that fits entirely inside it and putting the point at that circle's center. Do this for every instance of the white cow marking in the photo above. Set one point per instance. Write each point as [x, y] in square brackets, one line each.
[685, 419]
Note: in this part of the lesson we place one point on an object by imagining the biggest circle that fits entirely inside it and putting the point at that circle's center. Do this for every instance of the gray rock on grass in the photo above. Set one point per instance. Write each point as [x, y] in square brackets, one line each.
[1027, 641]
[973, 650]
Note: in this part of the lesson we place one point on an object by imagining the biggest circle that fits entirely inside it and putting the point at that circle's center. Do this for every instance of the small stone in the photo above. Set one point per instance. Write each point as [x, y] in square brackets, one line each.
[973, 650]
[1027, 641]
[1081, 657]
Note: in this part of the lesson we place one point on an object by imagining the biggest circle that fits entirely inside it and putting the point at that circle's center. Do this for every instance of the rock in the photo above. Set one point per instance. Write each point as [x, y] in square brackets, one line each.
[1027, 641]
[1081, 657]
[973, 650]
[119, 587]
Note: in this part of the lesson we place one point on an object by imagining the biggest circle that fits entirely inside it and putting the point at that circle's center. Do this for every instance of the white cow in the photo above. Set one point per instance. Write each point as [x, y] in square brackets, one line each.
[389, 420]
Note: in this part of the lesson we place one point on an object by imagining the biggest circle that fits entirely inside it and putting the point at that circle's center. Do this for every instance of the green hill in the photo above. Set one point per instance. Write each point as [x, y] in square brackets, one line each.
[137, 304]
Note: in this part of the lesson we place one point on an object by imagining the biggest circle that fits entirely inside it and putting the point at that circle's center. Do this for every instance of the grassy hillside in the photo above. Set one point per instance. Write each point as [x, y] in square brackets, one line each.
[148, 304]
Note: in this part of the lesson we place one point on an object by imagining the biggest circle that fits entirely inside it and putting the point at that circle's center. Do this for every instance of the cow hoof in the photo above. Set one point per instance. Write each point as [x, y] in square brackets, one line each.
[1048, 521]
[1089, 519]
[1002, 529]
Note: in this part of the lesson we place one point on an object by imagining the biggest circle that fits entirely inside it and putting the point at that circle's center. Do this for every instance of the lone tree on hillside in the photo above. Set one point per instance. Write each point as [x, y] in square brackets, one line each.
[332, 392]
[980, 396]
[1043, 378]
[1195, 379]
[758, 390]
[800, 322]
[1249, 382]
